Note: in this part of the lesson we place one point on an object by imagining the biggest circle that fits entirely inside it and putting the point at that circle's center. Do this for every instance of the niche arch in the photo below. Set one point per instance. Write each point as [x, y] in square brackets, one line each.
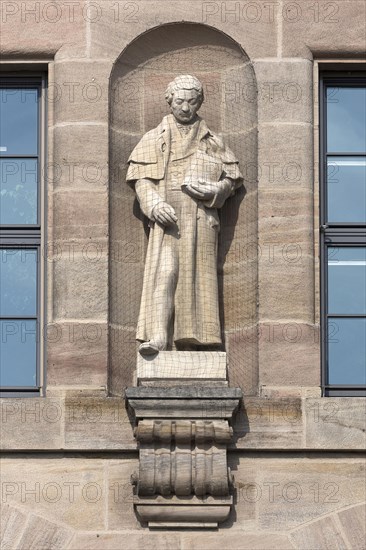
[137, 83]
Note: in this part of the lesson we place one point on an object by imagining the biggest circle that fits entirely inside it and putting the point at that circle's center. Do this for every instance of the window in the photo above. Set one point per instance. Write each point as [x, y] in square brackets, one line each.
[21, 269]
[343, 232]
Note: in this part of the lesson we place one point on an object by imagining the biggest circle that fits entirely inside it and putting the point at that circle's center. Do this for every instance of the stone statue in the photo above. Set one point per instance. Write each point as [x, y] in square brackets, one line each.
[182, 173]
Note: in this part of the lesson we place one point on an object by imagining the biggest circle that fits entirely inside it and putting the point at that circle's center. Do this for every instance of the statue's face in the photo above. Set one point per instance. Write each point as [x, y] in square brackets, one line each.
[185, 105]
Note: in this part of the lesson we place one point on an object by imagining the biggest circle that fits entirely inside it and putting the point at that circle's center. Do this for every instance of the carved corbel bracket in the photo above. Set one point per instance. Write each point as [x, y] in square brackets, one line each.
[183, 433]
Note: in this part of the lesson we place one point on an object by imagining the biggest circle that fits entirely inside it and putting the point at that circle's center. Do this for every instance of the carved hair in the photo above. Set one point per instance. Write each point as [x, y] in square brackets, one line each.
[184, 82]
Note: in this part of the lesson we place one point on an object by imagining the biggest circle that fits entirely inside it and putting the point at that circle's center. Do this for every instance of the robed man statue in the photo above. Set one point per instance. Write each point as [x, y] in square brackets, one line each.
[182, 173]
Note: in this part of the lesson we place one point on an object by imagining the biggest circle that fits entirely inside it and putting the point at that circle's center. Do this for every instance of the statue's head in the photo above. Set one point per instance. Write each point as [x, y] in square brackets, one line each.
[185, 96]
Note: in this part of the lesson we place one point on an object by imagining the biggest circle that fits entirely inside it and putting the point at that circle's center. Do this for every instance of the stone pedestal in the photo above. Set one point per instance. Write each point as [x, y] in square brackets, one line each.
[182, 365]
[183, 432]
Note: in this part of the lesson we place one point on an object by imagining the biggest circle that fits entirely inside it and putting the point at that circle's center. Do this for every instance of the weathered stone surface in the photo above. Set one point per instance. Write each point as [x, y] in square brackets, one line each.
[242, 350]
[268, 423]
[11, 526]
[77, 354]
[112, 33]
[284, 91]
[285, 161]
[41, 534]
[182, 364]
[326, 28]
[80, 216]
[123, 351]
[70, 490]
[72, 297]
[353, 523]
[31, 423]
[239, 90]
[80, 91]
[203, 516]
[285, 288]
[285, 225]
[121, 515]
[80, 156]
[293, 493]
[118, 539]
[335, 423]
[236, 541]
[289, 353]
[36, 29]
[98, 424]
[319, 534]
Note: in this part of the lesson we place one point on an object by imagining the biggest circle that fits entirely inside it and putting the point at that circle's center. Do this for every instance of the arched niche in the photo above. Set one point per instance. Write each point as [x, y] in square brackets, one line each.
[137, 84]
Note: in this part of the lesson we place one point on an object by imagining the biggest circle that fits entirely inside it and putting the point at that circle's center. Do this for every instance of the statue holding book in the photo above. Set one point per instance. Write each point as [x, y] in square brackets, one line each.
[182, 174]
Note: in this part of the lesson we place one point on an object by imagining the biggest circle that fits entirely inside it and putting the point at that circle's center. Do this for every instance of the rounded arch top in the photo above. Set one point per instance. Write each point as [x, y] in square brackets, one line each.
[161, 40]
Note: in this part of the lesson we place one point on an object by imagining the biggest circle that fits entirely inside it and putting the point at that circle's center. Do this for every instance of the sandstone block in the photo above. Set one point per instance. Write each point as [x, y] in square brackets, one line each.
[42, 28]
[80, 156]
[285, 158]
[329, 28]
[320, 534]
[80, 91]
[354, 525]
[136, 540]
[121, 513]
[268, 423]
[98, 424]
[286, 286]
[41, 534]
[289, 353]
[11, 526]
[284, 91]
[77, 354]
[69, 489]
[335, 423]
[80, 216]
[31, 423]
[236, 541]
[80, 287]
[298, 492]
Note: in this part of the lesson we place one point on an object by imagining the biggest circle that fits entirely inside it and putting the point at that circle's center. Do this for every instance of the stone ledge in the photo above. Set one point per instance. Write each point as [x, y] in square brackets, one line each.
[183, 402]
[97, 423]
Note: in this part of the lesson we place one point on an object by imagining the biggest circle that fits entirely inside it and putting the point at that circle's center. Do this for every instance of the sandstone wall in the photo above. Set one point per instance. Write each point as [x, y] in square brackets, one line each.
[68, 457]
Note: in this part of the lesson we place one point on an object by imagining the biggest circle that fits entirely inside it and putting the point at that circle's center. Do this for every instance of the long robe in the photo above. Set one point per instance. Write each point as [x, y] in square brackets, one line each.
[163, 171]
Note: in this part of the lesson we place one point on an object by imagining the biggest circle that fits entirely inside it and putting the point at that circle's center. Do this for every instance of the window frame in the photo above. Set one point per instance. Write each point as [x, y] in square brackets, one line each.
[333, 234]
[31, 236]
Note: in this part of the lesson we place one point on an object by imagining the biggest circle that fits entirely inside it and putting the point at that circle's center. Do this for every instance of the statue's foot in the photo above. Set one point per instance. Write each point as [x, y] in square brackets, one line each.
[149, 348]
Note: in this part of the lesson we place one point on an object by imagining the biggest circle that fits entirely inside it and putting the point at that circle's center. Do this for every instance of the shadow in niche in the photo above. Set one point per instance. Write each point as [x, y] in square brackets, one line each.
[229, 213]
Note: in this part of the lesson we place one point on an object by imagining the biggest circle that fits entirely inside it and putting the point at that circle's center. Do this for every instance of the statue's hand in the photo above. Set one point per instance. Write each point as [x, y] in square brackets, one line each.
[164, 214]
[202, 190]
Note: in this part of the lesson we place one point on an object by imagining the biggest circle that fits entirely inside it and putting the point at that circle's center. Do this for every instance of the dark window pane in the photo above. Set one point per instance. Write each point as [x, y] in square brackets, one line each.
[347, 189]
[347, 351]
[347, 280]
[18, 191]
[18, 353]
[18, 121]
[346, 119]
[18, 277]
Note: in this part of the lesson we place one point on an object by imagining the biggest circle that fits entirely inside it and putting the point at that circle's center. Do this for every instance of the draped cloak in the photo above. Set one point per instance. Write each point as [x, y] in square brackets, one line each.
[196, 310]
